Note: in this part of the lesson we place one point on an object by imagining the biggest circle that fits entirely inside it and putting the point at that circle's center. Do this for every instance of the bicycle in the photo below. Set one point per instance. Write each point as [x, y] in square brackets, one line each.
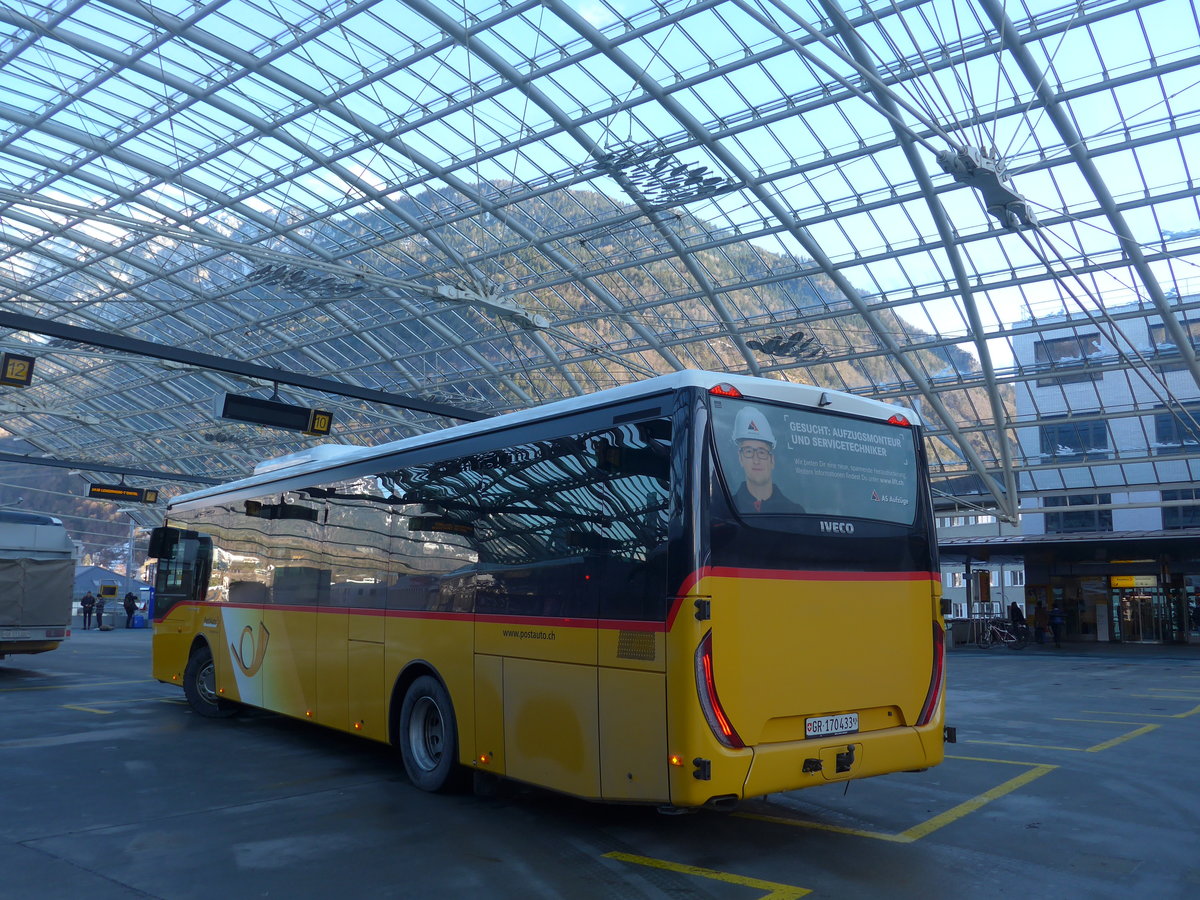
[994, 632]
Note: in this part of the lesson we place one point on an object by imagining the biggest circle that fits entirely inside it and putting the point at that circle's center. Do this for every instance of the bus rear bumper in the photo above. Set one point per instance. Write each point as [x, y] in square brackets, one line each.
[792, 765]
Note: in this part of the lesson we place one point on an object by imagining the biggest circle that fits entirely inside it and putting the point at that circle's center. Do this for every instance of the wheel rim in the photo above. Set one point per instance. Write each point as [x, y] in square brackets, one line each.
[426, 734]
[206, 683]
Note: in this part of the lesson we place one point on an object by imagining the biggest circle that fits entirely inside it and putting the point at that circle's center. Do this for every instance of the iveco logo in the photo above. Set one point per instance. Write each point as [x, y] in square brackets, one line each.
[837, 527]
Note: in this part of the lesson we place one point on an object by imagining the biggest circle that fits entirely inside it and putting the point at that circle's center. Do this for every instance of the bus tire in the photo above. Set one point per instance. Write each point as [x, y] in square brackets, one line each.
[428, 737]
[200, 686]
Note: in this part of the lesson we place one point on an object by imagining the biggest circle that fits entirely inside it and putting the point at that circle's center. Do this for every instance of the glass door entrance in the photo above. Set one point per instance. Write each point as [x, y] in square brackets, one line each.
[1141, 615]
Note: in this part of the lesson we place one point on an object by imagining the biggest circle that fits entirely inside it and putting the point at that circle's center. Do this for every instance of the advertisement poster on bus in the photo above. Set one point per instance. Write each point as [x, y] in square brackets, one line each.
[786, 461]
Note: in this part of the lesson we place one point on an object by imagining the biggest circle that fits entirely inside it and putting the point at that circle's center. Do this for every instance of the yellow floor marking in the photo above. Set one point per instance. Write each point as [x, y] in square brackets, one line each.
[1026, 746]
[774, 890]
[1163, 696]
[109, 712]
[922, 829]
[1144, 715]
[819, 826]
[1145, 729]
[1095, 748]
[969, 806]
[63, 687]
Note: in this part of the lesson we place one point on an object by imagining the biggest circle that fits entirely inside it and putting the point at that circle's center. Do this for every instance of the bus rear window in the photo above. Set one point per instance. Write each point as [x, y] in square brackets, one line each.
[777, 460]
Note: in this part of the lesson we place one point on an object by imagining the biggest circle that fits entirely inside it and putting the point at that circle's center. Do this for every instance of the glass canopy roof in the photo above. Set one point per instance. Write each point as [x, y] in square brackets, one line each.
[482, 206]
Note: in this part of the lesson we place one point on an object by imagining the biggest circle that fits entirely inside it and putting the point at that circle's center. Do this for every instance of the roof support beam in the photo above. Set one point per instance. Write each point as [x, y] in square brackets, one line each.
[95, 466]
[18, 322]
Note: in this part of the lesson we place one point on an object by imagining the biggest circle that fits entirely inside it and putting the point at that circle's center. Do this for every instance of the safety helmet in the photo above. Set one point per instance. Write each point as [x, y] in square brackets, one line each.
[752, 425]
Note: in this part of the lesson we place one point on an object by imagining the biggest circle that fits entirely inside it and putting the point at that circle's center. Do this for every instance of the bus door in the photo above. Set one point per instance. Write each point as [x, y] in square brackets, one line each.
[356, 530]
[185, 561]
[279, 654]
[631, 573]
[541, 518]
[535, 646]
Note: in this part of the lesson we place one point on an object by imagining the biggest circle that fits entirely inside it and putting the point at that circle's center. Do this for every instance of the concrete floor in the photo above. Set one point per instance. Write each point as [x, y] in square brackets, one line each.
[1074, 776]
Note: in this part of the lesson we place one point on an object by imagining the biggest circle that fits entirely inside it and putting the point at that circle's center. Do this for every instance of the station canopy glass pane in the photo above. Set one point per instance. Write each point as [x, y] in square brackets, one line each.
[985, 210]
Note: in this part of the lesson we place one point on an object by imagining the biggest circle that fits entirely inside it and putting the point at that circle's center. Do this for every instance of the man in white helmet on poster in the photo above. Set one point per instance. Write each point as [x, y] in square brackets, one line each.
[756, 453]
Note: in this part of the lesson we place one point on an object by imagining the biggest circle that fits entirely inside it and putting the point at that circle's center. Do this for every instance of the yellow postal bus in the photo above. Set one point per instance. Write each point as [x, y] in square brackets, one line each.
[681, 592]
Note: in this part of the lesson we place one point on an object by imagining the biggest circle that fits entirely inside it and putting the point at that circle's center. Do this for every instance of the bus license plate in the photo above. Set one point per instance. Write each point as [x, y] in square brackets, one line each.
[824, 726]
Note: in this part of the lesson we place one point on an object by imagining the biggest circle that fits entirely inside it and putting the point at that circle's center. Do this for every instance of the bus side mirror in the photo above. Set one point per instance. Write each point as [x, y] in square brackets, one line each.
[163, 541]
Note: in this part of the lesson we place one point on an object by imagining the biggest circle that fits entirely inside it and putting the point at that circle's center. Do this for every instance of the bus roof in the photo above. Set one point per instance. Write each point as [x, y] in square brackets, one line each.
[20, 517]
[325, 456]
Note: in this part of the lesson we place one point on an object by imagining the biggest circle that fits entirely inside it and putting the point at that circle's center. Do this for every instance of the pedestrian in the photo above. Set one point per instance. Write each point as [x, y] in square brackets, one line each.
[1017, 617]
[100, 612]
[87, 604]
[130, 605]
[1058, 618]
[1041, 619]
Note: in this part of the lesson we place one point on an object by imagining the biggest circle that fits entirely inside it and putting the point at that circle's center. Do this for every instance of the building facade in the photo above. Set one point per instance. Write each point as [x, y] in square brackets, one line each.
[1109, 435]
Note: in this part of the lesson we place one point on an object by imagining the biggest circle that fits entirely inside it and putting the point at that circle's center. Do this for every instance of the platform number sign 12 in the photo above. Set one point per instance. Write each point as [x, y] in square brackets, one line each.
[16, 371]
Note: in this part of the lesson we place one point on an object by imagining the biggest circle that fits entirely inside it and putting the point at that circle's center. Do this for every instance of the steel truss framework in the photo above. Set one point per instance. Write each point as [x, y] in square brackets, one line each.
[487, 205]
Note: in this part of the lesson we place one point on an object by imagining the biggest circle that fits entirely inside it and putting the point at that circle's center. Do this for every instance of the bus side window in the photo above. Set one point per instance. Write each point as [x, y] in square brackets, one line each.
[636, 457]
[183, 573]
[163, 541]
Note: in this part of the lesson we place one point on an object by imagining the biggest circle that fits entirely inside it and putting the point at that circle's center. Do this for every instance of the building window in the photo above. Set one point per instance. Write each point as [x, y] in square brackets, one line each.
[1068, 522]
[1067, 353]
[1014, 577]
[1177, 430]
[957, 580]
[1163, 346]
[1082, 440]
[1181, 516]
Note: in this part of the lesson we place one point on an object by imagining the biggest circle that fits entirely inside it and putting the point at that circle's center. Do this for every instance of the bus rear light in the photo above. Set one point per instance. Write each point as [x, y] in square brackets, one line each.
[900, 420]
[937, 680]
[706, 687]
[725, 389]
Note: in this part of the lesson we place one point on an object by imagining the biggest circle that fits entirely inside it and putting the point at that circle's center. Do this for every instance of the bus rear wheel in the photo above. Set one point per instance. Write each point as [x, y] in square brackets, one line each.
[200, 686]
[428, 737]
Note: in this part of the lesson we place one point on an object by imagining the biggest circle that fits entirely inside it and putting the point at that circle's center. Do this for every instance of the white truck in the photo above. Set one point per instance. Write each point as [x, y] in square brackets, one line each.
[37, 580]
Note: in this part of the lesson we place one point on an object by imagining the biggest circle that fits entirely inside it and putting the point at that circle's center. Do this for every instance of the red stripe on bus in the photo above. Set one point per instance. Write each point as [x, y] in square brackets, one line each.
[425, 614]
[543, 621]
